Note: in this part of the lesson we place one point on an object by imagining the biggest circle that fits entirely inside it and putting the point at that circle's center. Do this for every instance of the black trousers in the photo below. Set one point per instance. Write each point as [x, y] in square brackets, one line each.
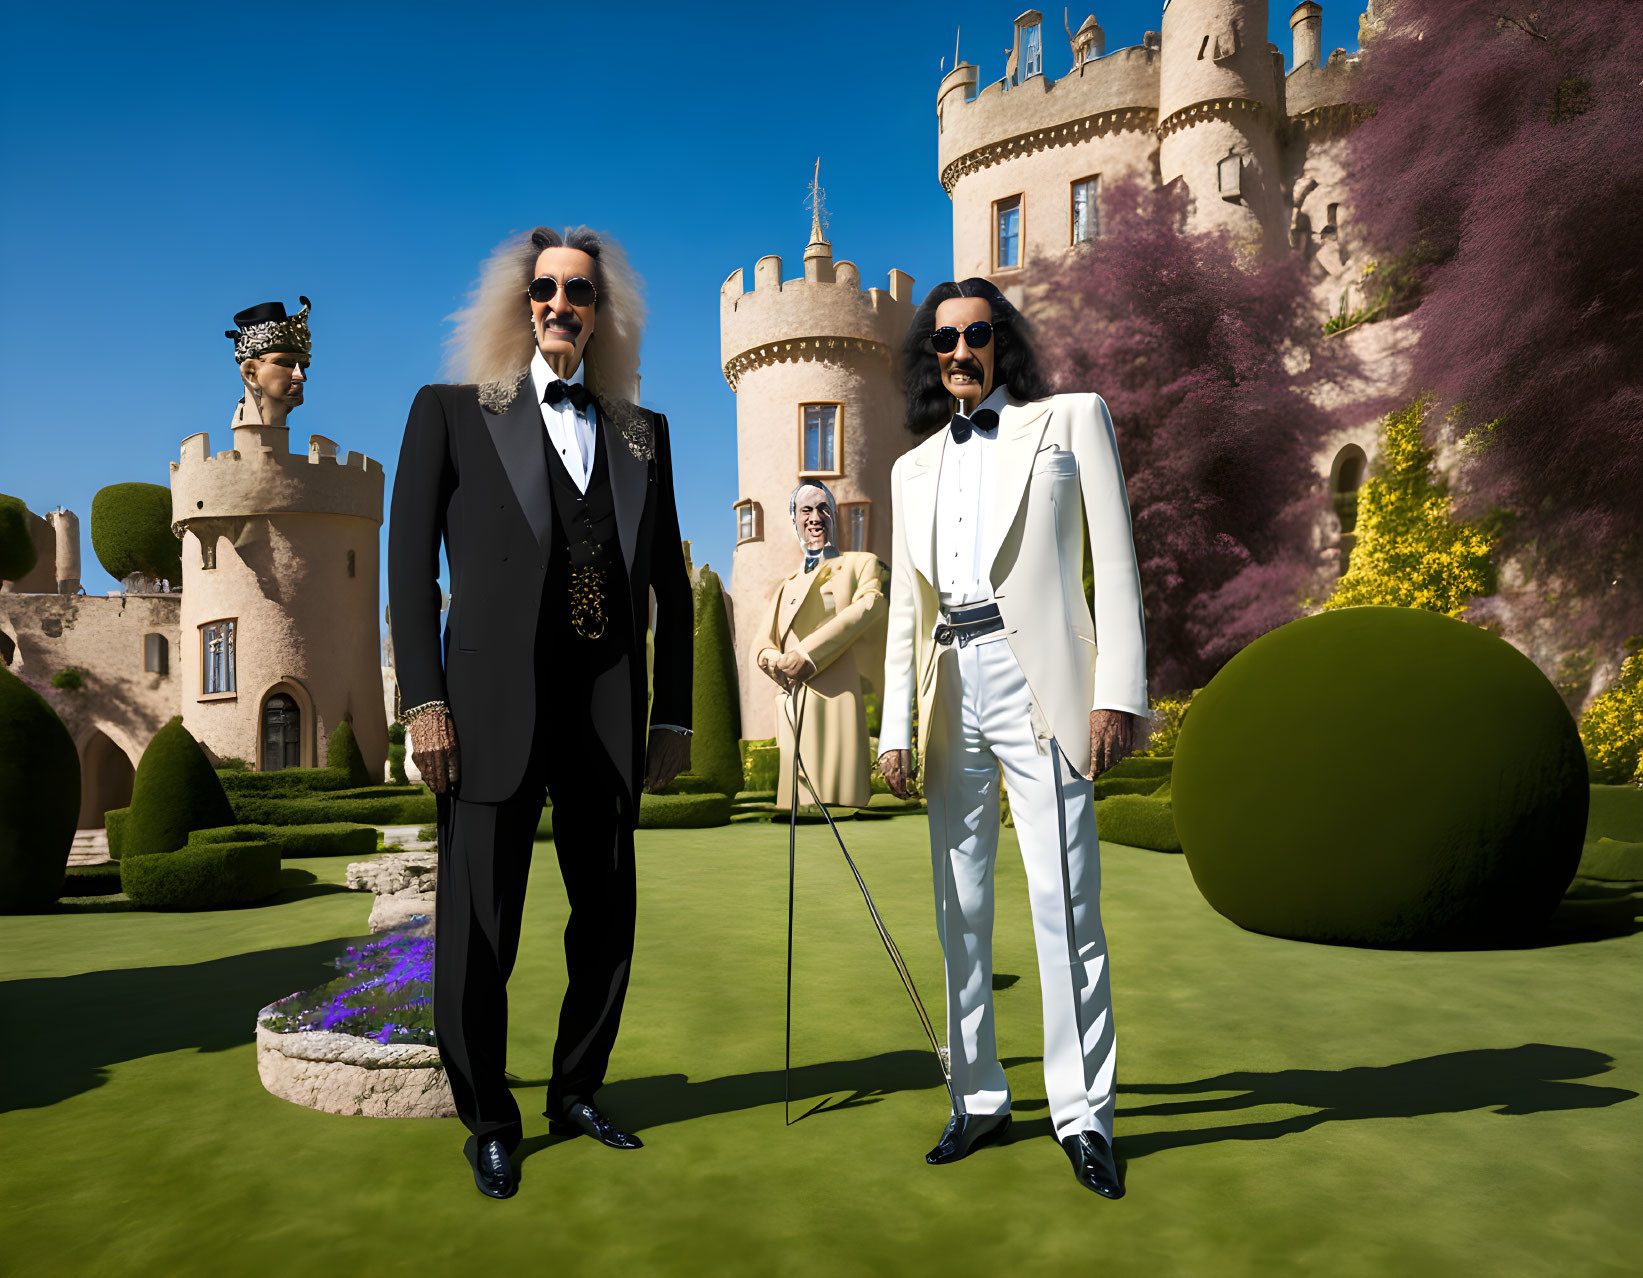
[484, 864]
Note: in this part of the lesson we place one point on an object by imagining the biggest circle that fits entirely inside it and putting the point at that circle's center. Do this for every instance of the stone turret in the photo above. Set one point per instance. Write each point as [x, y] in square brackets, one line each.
[280, 597]
[812, 362]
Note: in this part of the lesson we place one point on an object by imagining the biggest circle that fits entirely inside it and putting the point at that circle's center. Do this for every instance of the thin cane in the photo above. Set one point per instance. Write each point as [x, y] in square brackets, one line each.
[872, 909]
[792, 846]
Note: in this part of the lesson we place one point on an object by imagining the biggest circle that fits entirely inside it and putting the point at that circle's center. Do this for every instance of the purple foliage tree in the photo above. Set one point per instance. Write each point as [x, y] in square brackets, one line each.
[1506, 155]
[1187, 343]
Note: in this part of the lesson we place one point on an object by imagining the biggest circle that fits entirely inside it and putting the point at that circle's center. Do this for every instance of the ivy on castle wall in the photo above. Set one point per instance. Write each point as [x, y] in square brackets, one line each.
[1411, 551]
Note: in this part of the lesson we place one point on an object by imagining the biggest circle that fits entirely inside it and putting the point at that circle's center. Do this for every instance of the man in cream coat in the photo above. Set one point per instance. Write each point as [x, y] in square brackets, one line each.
[990, 630]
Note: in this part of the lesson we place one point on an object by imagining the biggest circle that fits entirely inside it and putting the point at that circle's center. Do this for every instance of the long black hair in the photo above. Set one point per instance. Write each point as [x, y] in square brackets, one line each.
[1015, 365]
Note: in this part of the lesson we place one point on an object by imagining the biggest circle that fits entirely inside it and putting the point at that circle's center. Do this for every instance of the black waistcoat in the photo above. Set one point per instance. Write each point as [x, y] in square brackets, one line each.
[586, 578]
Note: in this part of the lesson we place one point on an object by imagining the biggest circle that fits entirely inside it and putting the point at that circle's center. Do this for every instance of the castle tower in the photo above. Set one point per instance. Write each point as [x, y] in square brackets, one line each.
[812, 362]
[1024, 159]
[278, 636]
[1220, 111]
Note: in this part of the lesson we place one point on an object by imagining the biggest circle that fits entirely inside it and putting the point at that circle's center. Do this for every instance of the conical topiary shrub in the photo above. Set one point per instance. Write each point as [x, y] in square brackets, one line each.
[715, 707]
[342, 751]
[175, 792]
[39, 798]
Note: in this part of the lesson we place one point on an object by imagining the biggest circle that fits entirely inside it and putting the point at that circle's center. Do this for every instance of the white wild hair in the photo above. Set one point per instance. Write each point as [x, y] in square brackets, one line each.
[494, 339]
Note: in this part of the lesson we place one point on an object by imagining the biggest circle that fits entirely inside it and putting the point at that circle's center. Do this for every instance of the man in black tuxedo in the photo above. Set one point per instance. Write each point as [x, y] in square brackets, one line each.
[553, 495]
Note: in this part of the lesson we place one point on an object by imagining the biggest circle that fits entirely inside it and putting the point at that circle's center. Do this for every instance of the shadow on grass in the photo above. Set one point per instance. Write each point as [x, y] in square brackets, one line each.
[299, 885]
[635, 1104]
[63, 1033]
[1530, 1079]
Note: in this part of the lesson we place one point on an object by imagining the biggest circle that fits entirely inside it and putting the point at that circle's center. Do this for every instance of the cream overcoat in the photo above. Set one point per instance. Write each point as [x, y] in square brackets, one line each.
[835, 614]
[1056, 467]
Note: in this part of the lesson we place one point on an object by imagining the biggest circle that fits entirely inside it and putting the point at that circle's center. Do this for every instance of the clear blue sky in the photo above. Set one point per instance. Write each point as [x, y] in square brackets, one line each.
[167, 165]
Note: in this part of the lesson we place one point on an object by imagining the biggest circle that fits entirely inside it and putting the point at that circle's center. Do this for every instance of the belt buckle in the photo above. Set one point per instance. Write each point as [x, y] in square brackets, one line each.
[944, 635]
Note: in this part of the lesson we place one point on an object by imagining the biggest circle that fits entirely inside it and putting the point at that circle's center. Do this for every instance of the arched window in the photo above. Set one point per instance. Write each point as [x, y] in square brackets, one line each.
[156, 654]
[1346, 476]
[281, 733]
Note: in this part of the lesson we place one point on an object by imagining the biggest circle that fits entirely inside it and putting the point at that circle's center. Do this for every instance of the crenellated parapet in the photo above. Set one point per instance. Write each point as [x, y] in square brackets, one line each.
[262, 478]
[825, 314]
[1111, 94]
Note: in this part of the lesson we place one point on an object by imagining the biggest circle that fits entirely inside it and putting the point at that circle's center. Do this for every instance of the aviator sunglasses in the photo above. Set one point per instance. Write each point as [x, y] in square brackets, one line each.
[578, 291]
[976, 336]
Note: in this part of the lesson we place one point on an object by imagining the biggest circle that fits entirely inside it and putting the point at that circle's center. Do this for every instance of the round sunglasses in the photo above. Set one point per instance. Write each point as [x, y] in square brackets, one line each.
[578, 291]
[976, 336]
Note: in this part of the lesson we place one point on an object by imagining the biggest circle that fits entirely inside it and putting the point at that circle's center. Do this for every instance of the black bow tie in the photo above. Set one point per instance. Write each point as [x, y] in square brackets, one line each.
[985, 421]
[560, 390]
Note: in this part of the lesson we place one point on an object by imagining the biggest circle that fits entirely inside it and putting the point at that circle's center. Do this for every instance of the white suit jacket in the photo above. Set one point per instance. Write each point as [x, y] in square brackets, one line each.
[1056, 467]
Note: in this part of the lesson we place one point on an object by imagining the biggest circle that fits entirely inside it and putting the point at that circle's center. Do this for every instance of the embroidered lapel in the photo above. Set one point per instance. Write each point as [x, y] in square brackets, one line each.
[517, 433]
[620, 425]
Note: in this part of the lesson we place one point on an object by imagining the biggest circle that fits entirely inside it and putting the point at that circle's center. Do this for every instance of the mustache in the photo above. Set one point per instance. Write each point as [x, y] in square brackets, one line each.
[968, 366]
[568, 323]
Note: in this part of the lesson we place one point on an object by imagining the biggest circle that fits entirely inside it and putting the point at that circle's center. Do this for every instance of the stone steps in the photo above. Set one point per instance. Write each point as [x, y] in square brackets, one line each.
[90, 847]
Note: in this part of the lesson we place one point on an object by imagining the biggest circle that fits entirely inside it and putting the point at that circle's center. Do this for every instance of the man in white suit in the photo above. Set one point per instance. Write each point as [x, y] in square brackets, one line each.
[990, 630]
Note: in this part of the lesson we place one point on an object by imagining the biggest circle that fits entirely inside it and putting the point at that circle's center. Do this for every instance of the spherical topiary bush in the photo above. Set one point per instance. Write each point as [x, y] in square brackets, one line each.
[175, 791]
[1381, 776]
[39, 798]
[131, 531]
[17, 553]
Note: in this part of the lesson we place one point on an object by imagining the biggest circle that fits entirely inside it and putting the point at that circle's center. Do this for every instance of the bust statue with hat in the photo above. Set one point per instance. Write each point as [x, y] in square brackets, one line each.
[272, 349]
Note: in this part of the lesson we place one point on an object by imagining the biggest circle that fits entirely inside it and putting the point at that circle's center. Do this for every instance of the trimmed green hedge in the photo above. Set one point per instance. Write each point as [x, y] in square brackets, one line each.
[683, 811]
[390, 809]
[759, 768]
[114, 822]
[335, 838]
[92, 880]
[1616, 812]
[131, 531]
[1142, 765]
[175, 791]
[406, 791]
[202, 878]
[1138, 820]
[1107, 785]
[287, 783]
[1612, 859]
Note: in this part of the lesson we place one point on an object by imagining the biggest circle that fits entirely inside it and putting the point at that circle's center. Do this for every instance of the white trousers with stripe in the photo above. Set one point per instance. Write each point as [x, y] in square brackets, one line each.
[981, 723]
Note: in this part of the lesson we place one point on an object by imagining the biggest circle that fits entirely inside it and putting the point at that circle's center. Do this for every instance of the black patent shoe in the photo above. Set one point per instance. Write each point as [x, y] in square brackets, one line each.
[493, 1171]
[1093, 1163]
[967, 1133]
[582, 1119]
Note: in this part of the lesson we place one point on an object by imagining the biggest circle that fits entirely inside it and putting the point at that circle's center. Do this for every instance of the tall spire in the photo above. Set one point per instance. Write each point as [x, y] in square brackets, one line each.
[818, 207]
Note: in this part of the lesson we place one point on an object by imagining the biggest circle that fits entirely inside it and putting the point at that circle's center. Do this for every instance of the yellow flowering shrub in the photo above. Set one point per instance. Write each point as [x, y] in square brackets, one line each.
[1411, 552]
[1612, 727]
[1167, 713]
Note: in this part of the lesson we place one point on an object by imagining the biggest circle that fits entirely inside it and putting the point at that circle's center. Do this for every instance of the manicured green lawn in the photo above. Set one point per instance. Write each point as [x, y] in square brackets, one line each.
[1283, 1108]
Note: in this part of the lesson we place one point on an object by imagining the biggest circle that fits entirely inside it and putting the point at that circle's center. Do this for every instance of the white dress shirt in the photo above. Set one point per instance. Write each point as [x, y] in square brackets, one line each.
[964, 491]
[570, 430]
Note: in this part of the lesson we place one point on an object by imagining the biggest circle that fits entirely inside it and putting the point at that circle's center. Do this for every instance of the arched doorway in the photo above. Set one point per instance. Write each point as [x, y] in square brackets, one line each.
[1346, 476]
[105, 779]
[281, 733]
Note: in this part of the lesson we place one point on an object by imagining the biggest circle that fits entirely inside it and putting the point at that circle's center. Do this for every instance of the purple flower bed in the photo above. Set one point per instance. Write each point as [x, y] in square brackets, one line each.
[385, 992]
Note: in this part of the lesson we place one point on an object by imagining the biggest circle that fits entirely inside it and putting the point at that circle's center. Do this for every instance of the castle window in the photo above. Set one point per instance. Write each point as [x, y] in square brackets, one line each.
[819, 439]
[1086, 216]
[1032, 62]
[1229, 173]
[208, 552]
[1007, 234]
[281, 733]
[350, 563]
[749, 521]
[217, 657]
[156, 654]
[1330, 227]
[853, 525]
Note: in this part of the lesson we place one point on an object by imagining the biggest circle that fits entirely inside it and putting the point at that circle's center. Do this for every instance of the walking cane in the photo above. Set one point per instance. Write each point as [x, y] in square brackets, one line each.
[796, 698]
